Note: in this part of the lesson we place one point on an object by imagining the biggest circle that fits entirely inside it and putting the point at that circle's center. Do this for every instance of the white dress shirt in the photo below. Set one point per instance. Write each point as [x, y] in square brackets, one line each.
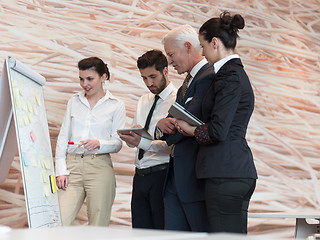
[222, 61]
[83, 123]
[156, 151]
[196, 69]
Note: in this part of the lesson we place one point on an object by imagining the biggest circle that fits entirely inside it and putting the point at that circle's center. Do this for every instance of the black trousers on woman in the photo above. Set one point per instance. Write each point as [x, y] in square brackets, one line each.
[227, 202]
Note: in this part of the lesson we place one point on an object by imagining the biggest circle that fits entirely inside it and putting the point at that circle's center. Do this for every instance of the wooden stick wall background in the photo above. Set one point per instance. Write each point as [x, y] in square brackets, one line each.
[279, 47]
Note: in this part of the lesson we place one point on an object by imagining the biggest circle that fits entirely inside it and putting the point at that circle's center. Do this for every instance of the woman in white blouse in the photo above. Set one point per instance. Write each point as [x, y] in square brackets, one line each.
[88, 134]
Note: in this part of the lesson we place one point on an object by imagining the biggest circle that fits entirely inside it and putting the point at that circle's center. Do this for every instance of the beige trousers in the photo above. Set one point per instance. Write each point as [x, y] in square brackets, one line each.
[91, 178]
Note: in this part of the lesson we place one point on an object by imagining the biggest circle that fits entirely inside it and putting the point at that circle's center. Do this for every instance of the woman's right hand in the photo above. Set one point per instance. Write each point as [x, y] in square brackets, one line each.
[185, 128]
[62, 182]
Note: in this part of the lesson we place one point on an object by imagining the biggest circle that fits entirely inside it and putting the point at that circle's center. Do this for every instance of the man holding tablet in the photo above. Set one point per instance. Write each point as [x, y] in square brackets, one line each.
[152, 156]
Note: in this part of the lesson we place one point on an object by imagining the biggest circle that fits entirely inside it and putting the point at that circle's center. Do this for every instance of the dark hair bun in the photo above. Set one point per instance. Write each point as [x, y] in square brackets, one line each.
[231, 24]
[237, 21]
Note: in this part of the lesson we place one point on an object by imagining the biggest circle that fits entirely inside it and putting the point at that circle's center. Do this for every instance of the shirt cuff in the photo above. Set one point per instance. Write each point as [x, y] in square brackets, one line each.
[61, 167]
[144, 143]
[159, 134]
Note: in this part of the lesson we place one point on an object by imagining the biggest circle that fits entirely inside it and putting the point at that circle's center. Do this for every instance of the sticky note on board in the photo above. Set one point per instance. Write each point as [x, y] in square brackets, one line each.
[46, 189]
[15, 83]
[25, 161]
[16, 92]
[37, 99]
[33, 160]
[26, 174]
[34, 108]
[33, 136]
[29, 106]
[30, 117]
[20, 121]
[53, 185]
[45, 176]
[26, 119]
[17, 102]
[45, 162]
[24, 106]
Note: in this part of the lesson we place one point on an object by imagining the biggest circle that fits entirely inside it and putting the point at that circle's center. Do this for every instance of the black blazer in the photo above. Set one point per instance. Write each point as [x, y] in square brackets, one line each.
[189, 188]
[226, 108]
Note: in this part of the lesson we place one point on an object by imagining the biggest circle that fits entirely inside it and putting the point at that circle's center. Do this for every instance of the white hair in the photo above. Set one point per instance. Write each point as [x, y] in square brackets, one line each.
[182, 34]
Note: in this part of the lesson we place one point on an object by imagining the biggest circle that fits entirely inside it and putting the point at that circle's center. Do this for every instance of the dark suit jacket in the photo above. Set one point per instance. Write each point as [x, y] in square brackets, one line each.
[189, 188]
[226, 108]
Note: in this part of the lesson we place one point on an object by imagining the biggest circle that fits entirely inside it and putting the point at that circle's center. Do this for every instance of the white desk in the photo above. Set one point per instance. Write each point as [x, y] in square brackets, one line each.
[303, 228]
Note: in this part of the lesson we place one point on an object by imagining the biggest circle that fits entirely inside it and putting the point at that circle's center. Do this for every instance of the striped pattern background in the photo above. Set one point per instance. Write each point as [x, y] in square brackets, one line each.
[279, 47]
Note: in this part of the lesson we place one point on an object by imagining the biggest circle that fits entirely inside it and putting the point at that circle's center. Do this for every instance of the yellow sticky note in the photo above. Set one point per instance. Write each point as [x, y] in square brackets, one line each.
[37, 99]
[16, 92]
[46, 189]
[45, 162]
[14, 83]
[24, 106]
[42, 164]
[26, 174]
[29, 106]
[20, 121]
[33, 160]
[17, 102]
[26, 119]
[30, 117]
[53, 183]
[44, 176]
[34, 108]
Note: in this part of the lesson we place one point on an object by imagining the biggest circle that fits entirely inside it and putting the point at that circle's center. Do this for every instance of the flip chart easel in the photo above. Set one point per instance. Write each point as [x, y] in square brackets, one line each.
[23, 124]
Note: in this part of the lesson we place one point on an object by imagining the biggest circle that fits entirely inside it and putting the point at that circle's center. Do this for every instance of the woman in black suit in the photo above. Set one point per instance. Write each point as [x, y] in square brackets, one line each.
[224, 159]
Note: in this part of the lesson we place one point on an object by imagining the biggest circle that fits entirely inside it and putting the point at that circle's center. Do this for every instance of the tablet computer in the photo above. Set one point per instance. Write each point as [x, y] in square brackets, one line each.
[140, 131]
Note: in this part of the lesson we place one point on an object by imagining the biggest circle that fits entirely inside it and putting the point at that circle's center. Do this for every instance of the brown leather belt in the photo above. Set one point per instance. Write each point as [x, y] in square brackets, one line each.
[145, 171]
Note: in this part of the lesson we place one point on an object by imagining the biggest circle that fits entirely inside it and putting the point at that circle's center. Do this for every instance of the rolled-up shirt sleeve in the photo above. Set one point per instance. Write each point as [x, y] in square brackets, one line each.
[62, 143]
[114, 143]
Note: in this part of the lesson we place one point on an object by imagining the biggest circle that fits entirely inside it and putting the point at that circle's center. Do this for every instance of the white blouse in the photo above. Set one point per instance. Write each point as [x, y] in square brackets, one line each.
[82, 123]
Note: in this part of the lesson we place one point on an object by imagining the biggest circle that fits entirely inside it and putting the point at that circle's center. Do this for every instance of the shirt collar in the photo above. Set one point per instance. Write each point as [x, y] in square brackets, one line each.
[166, 92]
[222, 61]
[197, 67]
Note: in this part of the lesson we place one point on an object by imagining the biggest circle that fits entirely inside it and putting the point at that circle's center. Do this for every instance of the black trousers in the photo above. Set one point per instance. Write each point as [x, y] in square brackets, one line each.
[147, 208]
[227, 202]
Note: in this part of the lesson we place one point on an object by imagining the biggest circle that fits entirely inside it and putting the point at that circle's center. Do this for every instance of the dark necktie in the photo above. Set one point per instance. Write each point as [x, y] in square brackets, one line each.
[185, 84]
[146, 126]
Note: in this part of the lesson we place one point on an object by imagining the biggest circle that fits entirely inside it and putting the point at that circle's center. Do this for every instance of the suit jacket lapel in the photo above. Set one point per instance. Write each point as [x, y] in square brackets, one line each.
[195, 78]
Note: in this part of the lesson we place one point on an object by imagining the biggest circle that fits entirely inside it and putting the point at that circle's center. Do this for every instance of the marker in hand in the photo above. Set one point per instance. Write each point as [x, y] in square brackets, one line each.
[78, 144]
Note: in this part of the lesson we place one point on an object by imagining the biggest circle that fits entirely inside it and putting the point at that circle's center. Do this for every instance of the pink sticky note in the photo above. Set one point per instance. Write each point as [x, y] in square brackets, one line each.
[33, 136]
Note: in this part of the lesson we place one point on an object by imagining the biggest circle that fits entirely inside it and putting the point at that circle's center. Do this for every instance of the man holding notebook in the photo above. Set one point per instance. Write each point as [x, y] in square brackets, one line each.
[152, 156]
[184, 193]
